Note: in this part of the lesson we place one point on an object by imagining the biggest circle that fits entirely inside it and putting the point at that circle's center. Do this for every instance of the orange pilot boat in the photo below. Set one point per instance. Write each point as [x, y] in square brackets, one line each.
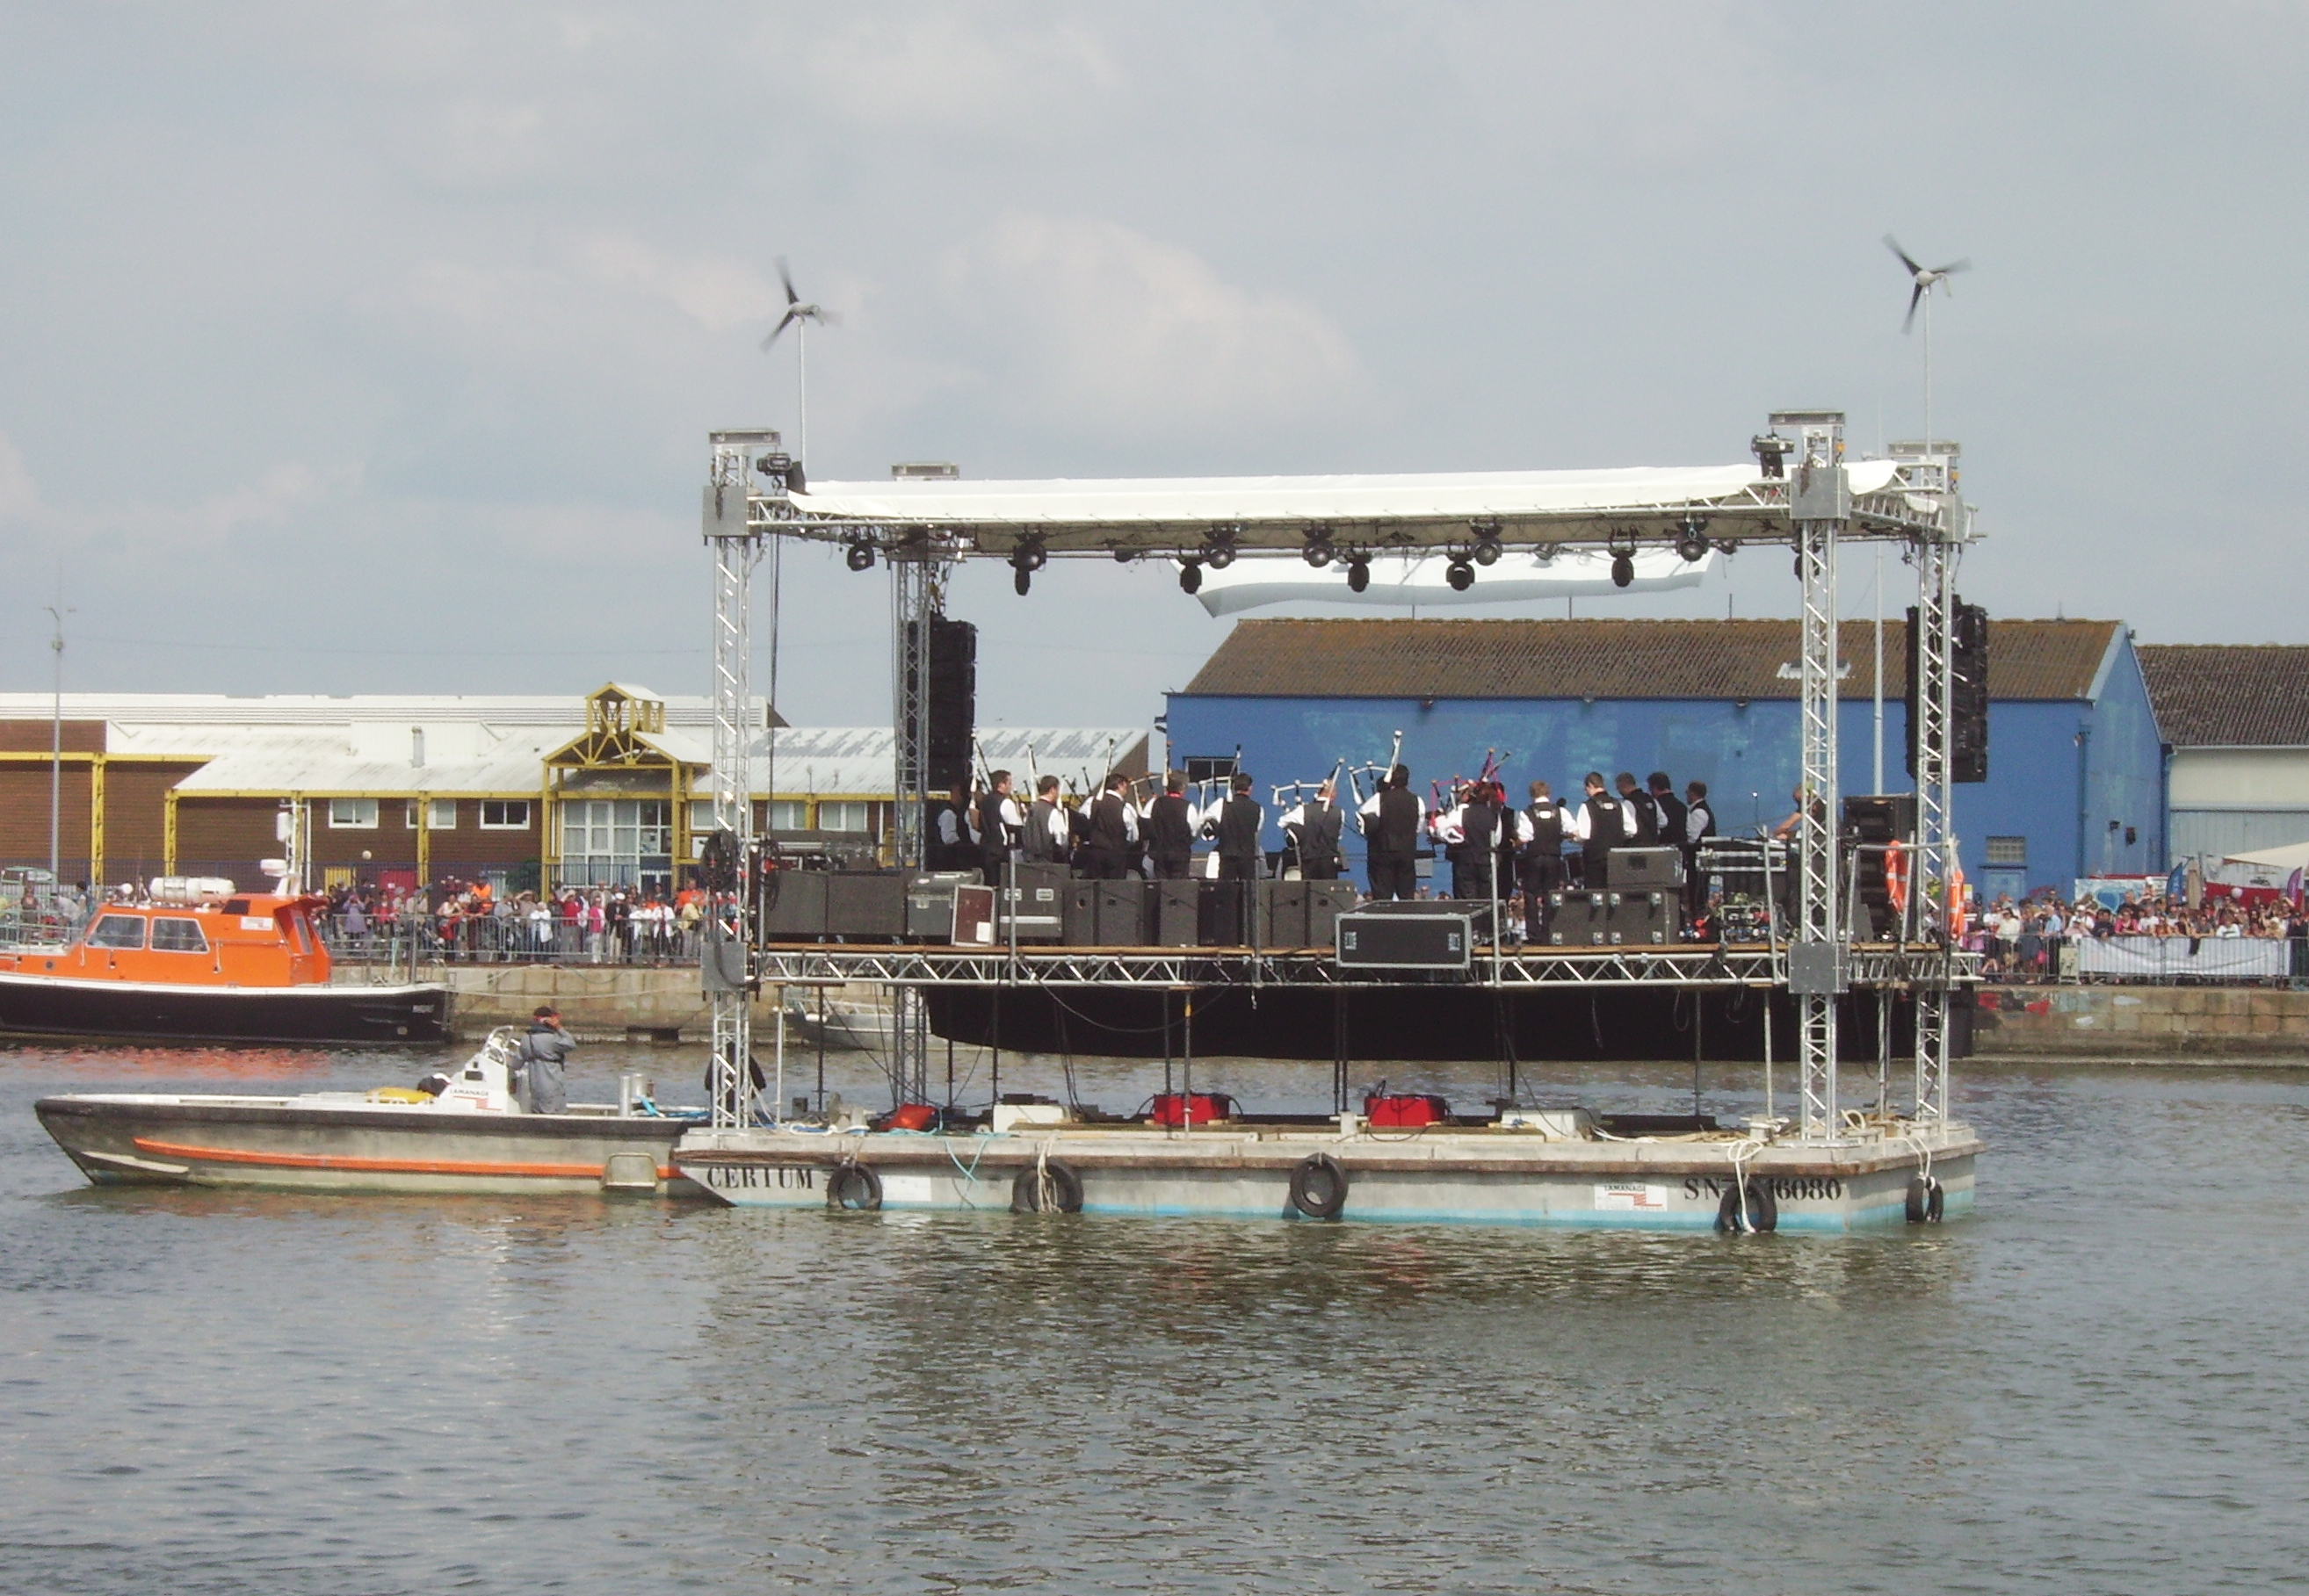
[202, 962]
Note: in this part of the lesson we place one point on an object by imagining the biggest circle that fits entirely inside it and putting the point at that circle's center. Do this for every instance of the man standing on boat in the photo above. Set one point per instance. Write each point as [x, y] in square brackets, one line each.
[543, 1051]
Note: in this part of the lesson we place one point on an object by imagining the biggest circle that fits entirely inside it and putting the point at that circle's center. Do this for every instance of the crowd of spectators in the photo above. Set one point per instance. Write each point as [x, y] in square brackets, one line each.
[471, 921]
[2021, 941]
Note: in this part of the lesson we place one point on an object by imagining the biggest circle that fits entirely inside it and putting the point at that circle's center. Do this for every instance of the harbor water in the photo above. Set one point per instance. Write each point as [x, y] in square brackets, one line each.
[2096, 1384]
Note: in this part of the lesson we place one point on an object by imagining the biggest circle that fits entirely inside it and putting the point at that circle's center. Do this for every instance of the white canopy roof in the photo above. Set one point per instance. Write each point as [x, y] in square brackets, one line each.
[1274, 511]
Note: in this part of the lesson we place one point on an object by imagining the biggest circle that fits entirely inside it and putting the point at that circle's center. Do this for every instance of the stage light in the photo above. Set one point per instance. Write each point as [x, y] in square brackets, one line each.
[1191, 575]
[1318, 552]
[1623, 569]
[860, 556]
[1218, 556]
[1461, 575]
[1486, 555]
[1021, 579]
[1358, 574]
[1124, 554]
[1030, 554]
[1694, 545]
[1486, 549]
[1771, 451]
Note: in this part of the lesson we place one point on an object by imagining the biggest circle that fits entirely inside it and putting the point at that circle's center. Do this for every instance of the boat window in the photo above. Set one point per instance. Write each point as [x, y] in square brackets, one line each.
[299, 937]
[235, 906]
[117, 931]
[172, 935]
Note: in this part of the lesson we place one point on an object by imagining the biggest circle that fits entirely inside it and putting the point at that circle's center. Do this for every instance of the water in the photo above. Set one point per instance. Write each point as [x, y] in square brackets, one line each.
[2097, 1384]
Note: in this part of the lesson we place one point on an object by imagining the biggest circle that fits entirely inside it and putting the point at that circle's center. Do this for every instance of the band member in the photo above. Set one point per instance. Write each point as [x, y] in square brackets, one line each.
[1170, 829]
[1540, 859]
[1600, 826]
[1111, 839]
[1698, 825]
[1393, 818]
[951, 847]
[1046, 840]
[1240, 823]
[1470, 832]
[1642, 820]
[1001, 827]
[1313, 832]
[1667, 809]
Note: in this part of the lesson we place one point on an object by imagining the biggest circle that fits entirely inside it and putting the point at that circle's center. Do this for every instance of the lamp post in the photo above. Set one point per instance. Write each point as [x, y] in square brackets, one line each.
[57, 613]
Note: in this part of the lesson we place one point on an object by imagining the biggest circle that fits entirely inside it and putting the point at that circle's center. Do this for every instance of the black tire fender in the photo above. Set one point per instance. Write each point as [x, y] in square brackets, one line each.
[854, 1188]
[1318, 1187]
[1064, 1188]
[1763, 1207]
[1925, 1201]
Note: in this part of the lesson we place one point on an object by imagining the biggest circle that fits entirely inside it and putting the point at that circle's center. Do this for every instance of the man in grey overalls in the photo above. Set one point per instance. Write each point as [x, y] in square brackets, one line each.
[543, 1051]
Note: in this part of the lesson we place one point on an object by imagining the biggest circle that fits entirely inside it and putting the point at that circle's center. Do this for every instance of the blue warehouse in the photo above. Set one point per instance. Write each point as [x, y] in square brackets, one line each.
[2076, 774]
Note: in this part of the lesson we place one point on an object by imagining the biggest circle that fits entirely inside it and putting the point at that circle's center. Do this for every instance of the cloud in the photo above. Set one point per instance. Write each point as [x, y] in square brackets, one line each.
[712, 290]
[19, 495]
[1118, 330]
[912, 69]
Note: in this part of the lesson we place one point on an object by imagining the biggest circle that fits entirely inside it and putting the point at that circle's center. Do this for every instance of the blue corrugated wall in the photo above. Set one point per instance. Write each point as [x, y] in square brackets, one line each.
[2058, 772]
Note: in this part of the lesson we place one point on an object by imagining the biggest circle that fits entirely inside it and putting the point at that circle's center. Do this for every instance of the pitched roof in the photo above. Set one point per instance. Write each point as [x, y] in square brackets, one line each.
[1612, 659]
[2220, 696]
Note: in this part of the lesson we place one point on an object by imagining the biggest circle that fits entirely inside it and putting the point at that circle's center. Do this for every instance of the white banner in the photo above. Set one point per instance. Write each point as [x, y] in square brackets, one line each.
[2165, 958]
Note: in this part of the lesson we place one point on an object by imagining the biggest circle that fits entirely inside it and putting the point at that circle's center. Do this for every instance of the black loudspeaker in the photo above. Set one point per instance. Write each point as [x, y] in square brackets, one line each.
[1578, 918]
[1286, 913]
[1869, 823]
[794, 905]
[1176, 913]
[1123, 912]
[953, 699]
[1967, 750]
[1326, 901]
[865, 905]
[1643, 917]
[1233, 914]
[1082, 914]
[1646, 867]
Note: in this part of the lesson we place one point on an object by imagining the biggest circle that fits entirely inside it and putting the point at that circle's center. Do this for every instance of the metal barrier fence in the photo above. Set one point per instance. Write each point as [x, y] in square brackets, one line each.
[2147, 961]
[405, 943]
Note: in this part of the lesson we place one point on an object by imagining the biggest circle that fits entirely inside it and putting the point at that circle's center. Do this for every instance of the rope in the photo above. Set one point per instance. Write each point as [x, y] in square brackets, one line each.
[1742, 1153]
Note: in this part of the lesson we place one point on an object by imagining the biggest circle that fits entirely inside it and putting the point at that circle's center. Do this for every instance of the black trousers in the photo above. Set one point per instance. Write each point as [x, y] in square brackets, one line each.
[1540, 876]
[1393, 876]
[1171, 866]
[1239, 866]
[1324, 870]
[1104, 864]
[1594, 867]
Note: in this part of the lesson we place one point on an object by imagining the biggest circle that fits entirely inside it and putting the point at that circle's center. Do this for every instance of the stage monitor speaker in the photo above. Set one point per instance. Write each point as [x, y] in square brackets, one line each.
[1326, 901]
[1082, 914]
[1177, 909]
[865, 905]
[794, 905]
[1646, 867]
[1123, 912]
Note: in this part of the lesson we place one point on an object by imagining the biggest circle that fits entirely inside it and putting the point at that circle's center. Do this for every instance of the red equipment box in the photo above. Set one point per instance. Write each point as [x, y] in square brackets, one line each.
[1403, 1110]
[1172, 1108]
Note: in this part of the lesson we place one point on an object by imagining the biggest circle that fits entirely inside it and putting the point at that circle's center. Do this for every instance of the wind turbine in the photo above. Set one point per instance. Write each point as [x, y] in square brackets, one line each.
[799, 315]
[1922, 282]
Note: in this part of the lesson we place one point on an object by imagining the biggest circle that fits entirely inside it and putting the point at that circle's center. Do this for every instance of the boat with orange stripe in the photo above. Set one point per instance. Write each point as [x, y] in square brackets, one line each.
[463, 1132]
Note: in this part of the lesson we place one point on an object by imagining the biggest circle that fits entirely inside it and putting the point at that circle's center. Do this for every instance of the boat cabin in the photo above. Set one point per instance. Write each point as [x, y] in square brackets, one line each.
[243, 939]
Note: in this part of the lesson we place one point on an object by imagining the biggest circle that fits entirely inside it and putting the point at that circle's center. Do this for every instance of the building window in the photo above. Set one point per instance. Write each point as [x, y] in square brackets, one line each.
[173, 935]
[844, 817]
[788, 815]
[505, 815]
[352, 815]
[440, 815]
[2008, 851]
[117, 931]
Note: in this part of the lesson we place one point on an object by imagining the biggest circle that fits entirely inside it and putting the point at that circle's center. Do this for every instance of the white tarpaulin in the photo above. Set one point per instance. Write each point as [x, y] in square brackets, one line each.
[2167, 958]
[1398, 581]
[1343, 500]
[2279, 862]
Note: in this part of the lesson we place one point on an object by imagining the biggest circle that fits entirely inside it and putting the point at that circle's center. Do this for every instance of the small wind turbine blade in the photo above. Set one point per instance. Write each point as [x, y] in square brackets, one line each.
[1893, 244]
[831, 319]
[1916, 297]
[784, 322]
[1965, 265]
[786, 277]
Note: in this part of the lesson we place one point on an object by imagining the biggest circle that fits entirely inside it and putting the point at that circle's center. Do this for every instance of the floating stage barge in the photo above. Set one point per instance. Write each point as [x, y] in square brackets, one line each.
[1819, 1165]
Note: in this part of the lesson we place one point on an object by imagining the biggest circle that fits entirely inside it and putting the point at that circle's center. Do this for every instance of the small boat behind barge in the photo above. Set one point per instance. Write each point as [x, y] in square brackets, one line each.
[469, 1135]
[201, 962]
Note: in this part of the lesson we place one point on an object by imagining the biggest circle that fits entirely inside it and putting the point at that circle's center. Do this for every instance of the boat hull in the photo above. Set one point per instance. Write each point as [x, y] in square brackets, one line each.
[1453, 1176]
[53, 1006]
[281, 1144]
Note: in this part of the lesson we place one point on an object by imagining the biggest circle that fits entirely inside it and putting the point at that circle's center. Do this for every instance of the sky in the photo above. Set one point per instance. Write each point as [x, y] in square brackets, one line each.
[373, 350]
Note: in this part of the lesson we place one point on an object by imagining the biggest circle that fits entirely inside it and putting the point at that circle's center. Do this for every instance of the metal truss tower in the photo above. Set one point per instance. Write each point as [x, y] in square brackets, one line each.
[1931, 653]
[728, 957]
[1820, 505]
[918, 575]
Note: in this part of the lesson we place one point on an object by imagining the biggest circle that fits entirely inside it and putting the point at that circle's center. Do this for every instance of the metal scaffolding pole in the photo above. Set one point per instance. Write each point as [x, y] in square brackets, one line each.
[1931, 651]
[728, 967]
[917, 597]
[1819, 504]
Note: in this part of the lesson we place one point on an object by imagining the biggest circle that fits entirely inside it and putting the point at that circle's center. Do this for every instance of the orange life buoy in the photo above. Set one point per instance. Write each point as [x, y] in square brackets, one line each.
[1896, 880]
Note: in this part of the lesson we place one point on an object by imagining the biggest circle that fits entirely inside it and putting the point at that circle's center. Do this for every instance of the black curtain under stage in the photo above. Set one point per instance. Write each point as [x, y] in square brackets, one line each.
[1422, 1023]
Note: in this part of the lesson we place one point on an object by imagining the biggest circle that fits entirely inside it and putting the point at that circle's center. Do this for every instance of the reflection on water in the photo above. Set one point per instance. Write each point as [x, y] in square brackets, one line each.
[2094, 1386]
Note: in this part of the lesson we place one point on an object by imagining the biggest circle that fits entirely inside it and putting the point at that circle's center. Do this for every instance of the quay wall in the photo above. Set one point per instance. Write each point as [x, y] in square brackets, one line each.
[2257, 1025]
[596, 1001]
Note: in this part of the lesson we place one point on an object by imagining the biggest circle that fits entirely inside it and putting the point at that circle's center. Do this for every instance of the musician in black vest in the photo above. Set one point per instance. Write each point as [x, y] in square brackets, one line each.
[1698, 825]
[1539, 858]
[1668, 808]
[1601, 825]
[1113, 837]
[1314, 831]
[1642, 820]
[1047, 840]
[1476, 824]
[1392, 817]
[1170, 829]
[1000, 825]
[1240, 821]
